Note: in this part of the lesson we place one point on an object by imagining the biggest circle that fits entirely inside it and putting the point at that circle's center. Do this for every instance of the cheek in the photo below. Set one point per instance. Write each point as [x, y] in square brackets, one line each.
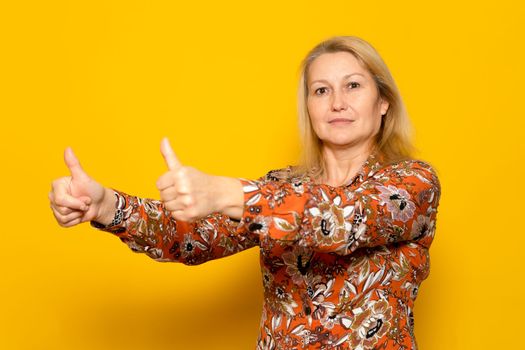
[314, 111]
[369, 111]
[375, 124]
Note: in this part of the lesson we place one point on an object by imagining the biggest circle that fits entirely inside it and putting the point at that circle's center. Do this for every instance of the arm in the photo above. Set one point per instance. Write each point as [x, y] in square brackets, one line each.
[147, 227]
[399, 203]
[145, 224]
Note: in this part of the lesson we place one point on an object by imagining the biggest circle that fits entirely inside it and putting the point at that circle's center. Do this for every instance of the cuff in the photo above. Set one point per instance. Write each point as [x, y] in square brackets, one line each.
[118, 224]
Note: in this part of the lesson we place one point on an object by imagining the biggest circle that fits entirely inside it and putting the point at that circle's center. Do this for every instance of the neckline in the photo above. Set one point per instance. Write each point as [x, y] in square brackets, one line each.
[372, 163]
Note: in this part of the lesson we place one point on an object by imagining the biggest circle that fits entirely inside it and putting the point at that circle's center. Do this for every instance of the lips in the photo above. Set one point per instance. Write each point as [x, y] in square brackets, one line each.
[341, 120]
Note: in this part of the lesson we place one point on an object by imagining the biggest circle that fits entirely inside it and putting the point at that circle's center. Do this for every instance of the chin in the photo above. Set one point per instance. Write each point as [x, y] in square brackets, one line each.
[340, 142]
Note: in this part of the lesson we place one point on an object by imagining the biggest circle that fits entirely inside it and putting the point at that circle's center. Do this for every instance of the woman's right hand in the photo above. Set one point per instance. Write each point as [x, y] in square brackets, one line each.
[77, 198]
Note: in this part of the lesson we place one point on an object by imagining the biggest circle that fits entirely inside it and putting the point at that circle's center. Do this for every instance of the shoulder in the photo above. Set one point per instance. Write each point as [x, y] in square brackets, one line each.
[413, 164]
[279, 174]
[286, 174]
[410, 169]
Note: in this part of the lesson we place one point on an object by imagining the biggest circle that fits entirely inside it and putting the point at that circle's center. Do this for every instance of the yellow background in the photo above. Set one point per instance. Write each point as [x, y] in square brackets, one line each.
[111, 78]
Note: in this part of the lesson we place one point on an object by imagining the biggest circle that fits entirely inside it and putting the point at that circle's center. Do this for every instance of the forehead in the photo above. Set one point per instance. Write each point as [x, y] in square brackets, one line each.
[334, 66]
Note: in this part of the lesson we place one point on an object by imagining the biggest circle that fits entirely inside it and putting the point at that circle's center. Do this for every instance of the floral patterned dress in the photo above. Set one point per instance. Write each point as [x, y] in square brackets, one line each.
[341, 266]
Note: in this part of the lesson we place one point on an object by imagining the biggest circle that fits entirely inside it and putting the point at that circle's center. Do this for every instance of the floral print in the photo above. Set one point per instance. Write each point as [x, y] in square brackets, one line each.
[328, 220]
[341, 266]
[398, 202]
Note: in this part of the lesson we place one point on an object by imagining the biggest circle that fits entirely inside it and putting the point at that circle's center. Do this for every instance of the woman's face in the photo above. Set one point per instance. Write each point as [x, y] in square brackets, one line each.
[343, 102]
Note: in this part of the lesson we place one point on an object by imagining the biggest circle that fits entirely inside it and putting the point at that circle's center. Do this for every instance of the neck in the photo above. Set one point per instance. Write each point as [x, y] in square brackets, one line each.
[342, 164]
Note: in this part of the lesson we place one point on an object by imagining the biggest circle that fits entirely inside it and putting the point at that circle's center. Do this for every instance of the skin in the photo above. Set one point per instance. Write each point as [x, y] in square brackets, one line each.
[190, 194]
[187, 193]
[345, 112]
[78, 198]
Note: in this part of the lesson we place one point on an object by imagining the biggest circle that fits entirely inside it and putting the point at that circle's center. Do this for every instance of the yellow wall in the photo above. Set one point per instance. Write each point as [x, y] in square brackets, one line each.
[110, 78]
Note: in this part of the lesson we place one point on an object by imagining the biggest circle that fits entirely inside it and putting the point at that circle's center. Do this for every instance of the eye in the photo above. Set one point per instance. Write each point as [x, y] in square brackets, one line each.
[353, 84]
[320, 91]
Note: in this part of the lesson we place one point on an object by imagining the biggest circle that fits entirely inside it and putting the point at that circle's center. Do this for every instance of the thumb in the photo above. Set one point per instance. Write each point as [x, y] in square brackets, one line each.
[169, 156]
[74, 165]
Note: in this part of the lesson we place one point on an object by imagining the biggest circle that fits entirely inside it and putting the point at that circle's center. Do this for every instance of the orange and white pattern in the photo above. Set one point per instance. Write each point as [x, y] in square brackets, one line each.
[341, 266]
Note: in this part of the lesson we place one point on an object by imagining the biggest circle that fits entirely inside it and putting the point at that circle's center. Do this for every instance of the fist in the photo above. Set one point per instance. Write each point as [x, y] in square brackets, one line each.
[186, 192]
[75, 199]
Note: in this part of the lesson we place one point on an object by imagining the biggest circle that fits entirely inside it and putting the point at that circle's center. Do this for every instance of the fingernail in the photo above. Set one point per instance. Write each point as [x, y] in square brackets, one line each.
[84, 208]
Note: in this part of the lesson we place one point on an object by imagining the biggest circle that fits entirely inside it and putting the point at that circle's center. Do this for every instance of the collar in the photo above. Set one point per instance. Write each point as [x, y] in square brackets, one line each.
[373, 163]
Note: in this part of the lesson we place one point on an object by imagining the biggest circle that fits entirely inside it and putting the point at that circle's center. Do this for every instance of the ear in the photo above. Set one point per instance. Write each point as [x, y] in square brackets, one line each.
[384, 106]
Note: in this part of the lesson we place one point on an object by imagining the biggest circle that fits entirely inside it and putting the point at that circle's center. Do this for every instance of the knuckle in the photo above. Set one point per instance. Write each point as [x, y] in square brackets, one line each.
[60, 182]
[65, 211]
[60, 199]
[179, 188]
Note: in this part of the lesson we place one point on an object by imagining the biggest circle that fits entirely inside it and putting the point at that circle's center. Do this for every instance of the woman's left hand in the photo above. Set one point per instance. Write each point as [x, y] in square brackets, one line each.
[190, 194]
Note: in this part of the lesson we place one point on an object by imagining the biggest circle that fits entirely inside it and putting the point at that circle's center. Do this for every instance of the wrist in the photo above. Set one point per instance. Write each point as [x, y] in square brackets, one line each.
[107, 208]
[228, 196]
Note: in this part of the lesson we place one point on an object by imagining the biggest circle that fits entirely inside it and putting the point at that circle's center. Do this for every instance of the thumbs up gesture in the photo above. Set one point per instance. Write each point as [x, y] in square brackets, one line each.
[187, 193]
[76, 198]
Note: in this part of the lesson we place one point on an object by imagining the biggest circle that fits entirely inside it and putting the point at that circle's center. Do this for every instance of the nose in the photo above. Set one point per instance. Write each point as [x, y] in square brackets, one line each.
[338, 101]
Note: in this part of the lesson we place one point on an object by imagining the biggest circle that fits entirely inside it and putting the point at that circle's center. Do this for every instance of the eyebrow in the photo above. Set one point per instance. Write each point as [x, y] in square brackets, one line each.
[346, 76]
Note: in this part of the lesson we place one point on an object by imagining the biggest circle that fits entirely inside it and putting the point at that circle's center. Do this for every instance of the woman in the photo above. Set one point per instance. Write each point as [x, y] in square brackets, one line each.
[344, 236]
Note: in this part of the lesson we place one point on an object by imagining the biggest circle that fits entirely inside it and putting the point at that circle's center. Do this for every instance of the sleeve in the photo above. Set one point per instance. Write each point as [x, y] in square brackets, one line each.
[147, 227]
[399, 203]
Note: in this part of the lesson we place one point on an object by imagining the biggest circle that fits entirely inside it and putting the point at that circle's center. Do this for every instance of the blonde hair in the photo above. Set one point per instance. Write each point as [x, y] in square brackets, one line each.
[392, 142]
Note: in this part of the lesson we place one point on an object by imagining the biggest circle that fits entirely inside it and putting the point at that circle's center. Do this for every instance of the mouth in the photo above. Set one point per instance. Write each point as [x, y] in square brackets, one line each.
[340, 120]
